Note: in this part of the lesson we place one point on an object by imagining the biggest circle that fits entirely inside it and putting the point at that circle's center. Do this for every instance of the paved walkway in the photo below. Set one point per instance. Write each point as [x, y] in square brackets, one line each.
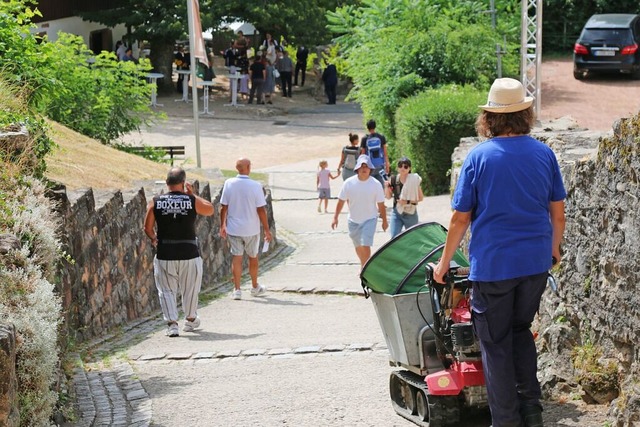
[309, 353]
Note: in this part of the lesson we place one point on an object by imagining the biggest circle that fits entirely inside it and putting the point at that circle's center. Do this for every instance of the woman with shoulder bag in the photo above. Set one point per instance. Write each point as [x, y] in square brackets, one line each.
[405, 189]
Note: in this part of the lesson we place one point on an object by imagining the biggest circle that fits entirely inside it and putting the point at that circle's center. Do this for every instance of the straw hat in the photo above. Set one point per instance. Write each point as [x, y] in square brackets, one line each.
[507, 96]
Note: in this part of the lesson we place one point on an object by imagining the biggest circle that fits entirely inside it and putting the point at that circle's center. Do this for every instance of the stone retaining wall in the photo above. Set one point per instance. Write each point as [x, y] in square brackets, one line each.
[110, 281]
[9, 413]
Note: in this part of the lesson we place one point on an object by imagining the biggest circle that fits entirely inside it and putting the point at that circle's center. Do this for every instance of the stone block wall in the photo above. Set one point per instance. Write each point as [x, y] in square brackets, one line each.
[9, 413]
[110, 281]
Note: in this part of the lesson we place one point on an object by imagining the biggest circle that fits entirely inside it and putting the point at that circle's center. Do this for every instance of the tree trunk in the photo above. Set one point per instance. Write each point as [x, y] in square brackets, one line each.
[161, 57]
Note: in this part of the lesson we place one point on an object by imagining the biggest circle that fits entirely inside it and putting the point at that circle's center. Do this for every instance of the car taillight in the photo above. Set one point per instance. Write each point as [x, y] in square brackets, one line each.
[629, 50]
[578, 49]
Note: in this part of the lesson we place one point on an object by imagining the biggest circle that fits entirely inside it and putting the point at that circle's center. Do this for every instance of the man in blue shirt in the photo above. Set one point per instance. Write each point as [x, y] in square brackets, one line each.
[510, 192]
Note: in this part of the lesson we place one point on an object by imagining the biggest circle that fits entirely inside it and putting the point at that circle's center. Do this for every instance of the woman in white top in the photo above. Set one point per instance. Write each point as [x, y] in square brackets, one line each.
[405, 189]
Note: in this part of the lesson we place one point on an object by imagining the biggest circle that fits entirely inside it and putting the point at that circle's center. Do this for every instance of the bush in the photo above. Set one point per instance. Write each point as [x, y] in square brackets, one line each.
[26, 154]
[104, 99]
[27, 297]
[428, 128]
[97, 96]
[394, 50]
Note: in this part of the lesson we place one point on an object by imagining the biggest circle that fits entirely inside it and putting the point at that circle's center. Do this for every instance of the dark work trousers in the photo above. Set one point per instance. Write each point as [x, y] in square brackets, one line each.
[300, 66]
[285, 80]
[330, 90]
[502, 315]
[256, 84]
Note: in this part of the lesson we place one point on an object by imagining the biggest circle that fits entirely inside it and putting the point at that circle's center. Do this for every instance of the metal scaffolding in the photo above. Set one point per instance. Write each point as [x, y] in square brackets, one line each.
[531, 49]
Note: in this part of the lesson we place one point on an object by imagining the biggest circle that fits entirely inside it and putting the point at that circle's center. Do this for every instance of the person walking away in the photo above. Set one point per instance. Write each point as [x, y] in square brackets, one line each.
[374, 145]
[257, 75]
[285, 66]
[365, 198]
[241, 214]
[177, 266]
[510, 192]
[330, 80]
[350, 154]
[323, 178]
[302, 54]
[405, 189]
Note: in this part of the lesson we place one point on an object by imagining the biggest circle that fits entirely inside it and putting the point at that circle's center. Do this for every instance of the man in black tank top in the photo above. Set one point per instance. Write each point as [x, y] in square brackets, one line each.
[177, 266]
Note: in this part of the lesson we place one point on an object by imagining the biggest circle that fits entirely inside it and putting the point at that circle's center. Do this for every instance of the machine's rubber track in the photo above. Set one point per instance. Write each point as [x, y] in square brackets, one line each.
[411, 400]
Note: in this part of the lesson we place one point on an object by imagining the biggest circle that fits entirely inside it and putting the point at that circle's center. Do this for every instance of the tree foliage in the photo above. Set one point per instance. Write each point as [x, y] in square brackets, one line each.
[396, 48]
[162, 22]
[297, 21]
[103, 99]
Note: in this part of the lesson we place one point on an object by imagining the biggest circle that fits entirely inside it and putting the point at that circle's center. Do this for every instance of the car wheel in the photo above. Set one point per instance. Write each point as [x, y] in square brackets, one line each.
[635, 74]
[578, 75]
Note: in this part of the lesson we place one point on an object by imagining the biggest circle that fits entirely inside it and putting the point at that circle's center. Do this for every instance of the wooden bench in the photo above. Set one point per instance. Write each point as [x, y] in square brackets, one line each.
[171, 152]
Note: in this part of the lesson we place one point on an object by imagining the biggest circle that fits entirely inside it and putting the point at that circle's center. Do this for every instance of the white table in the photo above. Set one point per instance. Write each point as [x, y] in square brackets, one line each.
[185, 86]
[206, 86]
[233, 79]
[154, 90]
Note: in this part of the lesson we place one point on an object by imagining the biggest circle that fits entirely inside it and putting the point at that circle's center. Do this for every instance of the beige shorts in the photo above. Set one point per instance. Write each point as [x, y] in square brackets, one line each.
[241, 244]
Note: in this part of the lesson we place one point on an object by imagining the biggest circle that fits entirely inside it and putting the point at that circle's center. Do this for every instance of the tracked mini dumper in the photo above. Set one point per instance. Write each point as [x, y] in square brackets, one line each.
[427, 328]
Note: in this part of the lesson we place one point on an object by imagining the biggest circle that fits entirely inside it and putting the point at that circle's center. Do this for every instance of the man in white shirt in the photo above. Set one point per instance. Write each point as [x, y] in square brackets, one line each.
[242, 212]
[365, 198]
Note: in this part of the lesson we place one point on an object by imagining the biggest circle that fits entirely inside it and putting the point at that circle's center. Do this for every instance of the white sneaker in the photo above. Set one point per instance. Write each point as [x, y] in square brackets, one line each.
[258, 291]
[173, 331]
[191, 326]
[236, 294]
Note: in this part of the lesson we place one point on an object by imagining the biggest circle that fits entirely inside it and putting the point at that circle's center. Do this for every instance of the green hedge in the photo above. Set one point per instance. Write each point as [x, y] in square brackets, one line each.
[428, 128]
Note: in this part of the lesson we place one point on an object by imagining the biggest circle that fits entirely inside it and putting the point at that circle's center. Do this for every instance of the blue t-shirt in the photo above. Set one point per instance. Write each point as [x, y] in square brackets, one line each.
[507, 183]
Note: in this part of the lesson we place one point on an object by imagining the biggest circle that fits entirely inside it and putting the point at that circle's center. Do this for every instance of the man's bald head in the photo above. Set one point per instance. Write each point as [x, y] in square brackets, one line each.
[243, 166]
[176, 175]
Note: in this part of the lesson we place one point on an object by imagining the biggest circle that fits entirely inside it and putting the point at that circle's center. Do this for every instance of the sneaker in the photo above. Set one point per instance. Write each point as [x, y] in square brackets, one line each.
[236, 294]
[319, 210]
[190, 326]
[172, 330]
[258, 291]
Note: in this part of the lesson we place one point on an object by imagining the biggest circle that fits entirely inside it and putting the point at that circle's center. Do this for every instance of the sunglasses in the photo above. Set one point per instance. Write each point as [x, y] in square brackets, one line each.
[404, 166]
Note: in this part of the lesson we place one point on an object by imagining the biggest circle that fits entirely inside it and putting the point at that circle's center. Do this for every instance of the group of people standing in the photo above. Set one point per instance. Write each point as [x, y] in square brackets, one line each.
[271, 64]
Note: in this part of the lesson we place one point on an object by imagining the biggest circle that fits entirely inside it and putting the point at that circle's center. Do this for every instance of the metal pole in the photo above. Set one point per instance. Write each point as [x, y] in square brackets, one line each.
[194, 85]
[492, 5]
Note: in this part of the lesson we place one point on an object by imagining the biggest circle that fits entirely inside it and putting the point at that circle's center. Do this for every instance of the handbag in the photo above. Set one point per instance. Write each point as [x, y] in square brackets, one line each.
[276, 73]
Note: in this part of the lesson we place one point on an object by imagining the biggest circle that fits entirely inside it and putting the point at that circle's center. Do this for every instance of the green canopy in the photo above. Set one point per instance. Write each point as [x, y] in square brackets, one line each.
[398, 266]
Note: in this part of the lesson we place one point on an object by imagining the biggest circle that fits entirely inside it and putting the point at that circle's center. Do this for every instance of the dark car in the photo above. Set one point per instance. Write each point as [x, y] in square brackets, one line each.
[608, 43]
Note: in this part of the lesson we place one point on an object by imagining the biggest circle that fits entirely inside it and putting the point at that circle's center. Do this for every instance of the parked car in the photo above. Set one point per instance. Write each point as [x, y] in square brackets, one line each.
[608, 43]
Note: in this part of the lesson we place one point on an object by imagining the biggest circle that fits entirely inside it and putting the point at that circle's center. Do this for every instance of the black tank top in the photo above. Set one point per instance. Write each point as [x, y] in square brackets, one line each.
[175, 214]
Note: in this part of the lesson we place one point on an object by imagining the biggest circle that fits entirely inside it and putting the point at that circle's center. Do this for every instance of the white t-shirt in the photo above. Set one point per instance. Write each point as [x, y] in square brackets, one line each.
[363, 198]
[242, 196]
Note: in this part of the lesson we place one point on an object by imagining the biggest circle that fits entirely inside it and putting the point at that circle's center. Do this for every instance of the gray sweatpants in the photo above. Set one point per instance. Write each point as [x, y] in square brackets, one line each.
[173, 276]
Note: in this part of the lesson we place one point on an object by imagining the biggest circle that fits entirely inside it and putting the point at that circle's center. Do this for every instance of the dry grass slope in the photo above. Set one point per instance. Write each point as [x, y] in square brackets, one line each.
[81, 162]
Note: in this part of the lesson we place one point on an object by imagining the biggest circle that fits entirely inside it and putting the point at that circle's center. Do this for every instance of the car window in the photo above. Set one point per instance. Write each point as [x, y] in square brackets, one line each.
[621, 36]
